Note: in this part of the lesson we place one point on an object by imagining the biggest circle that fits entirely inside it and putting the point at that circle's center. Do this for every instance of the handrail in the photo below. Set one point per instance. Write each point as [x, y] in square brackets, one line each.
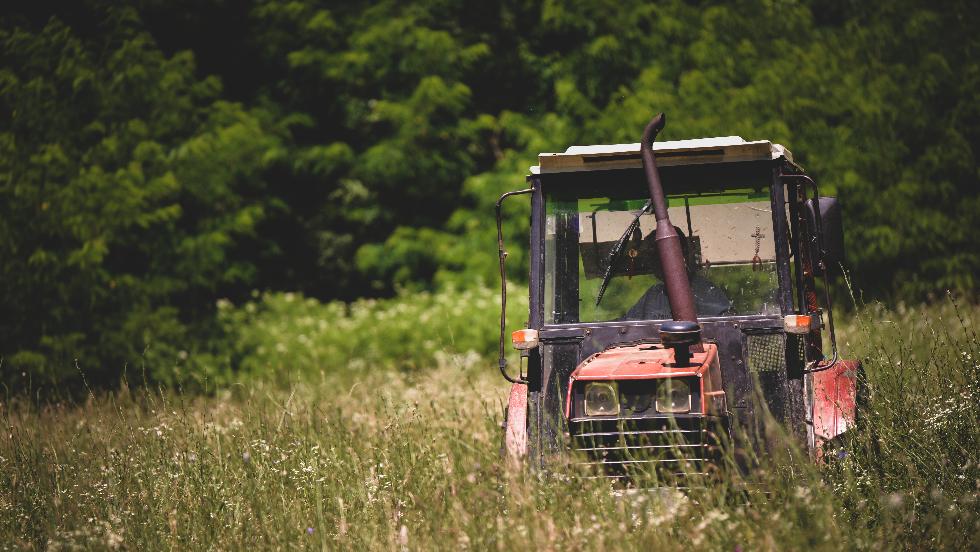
[502, 255]
[818, 221]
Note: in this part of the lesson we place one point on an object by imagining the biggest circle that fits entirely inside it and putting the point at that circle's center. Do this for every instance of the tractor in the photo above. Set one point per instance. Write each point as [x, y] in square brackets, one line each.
[678, 291]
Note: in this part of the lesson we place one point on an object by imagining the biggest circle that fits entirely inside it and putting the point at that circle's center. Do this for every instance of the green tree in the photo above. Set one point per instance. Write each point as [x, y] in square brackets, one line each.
[127, 189]
[158, 157]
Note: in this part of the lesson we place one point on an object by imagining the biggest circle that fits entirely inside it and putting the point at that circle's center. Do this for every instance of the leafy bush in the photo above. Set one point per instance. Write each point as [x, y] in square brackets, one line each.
[286, 336]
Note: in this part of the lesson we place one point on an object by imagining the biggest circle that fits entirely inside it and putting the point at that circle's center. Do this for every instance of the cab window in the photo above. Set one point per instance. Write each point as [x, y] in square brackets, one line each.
[602, 264]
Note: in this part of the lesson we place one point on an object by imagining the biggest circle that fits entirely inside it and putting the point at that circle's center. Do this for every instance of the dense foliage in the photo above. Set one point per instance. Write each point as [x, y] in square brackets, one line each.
[158, 157]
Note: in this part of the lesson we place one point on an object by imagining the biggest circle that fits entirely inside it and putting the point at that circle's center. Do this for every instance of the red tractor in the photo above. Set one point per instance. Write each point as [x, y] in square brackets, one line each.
[673, 300]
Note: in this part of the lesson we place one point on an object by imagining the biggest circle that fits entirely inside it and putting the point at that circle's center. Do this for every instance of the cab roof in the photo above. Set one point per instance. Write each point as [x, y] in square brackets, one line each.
[699, 151]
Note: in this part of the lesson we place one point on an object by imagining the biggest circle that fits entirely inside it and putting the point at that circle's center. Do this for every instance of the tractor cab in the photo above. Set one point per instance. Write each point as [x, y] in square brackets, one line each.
[675, 309]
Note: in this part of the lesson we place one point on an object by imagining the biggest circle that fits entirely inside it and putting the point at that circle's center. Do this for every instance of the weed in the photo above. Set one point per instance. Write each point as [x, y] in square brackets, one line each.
[391, 452]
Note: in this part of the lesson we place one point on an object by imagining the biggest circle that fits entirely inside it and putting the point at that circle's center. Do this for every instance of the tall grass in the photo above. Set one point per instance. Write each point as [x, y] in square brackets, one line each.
[917, 450]
[388, 458]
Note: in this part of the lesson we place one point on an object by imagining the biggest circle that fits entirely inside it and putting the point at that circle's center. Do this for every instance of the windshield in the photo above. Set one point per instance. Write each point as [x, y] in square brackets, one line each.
[601, 266]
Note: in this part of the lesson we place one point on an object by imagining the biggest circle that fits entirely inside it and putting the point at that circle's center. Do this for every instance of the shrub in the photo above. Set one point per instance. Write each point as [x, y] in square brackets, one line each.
[286, 335]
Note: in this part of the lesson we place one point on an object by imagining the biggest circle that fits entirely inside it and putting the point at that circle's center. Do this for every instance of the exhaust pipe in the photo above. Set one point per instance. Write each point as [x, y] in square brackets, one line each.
[676, 279]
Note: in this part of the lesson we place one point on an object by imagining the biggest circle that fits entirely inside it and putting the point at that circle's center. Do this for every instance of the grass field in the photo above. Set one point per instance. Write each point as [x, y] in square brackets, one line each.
[407, 458]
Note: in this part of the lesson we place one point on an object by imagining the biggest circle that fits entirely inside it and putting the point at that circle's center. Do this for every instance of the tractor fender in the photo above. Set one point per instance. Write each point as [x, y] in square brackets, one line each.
[835, 397]
[515, 427]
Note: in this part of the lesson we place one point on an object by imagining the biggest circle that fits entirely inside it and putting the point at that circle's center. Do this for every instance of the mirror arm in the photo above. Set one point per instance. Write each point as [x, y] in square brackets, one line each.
[818, 223]
[502, 255]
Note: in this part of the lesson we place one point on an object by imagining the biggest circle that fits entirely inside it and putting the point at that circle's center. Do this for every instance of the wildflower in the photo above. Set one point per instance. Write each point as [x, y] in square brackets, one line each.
[246, 457]
[841, 454]
[309, 530]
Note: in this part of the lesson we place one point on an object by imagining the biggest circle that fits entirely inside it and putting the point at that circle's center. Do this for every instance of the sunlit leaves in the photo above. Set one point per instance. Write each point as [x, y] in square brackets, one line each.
[124, 183]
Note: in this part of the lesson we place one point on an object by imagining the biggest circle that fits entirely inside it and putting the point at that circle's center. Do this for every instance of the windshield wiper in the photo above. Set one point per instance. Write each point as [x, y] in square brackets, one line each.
[617, 249]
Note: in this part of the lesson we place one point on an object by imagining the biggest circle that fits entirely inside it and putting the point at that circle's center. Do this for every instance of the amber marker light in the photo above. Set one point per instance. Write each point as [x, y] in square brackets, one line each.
[524, 339]
[798, 323]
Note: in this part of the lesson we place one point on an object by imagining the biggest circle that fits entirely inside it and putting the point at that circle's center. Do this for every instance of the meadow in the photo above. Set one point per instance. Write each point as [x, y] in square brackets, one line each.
[379, 429]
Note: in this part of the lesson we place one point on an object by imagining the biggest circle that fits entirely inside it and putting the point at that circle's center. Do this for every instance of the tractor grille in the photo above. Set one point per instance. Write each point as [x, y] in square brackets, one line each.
[664, 449]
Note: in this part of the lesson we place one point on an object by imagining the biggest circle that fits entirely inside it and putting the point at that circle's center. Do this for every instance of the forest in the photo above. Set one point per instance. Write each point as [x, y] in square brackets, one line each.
[171, 172]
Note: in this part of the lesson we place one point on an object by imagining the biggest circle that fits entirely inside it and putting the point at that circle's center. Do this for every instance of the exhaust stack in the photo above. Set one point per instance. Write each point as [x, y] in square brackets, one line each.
[676, 280]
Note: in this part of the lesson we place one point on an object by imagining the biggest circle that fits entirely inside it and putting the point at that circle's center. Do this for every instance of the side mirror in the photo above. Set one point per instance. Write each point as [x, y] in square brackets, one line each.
[824, 216]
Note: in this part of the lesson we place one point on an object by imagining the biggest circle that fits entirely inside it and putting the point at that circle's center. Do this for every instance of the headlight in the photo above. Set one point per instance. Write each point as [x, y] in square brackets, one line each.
[601, 399]
[673, 396]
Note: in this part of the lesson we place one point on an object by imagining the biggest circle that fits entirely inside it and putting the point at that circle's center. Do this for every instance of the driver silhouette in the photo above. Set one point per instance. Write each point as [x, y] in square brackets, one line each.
[709, 299]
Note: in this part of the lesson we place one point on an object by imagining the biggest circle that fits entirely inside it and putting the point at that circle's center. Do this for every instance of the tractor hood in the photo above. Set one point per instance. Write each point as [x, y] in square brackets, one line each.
[642, 361]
